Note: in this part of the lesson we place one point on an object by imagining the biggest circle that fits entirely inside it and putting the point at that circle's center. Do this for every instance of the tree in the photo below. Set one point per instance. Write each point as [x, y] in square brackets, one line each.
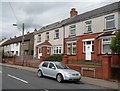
[115, 44]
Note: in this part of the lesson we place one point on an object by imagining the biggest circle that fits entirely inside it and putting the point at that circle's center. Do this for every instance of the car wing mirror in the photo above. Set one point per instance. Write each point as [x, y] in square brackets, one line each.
[53, 68]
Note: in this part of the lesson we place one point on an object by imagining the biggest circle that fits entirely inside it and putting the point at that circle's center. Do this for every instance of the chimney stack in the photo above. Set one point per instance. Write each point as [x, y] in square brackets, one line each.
[73, 12]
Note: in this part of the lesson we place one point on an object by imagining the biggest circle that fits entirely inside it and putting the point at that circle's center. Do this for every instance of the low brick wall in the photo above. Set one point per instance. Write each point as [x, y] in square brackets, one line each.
[88, 70]
[29, 63]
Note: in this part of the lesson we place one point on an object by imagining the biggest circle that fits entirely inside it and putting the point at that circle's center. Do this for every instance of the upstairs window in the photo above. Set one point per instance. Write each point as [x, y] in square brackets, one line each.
[47, 36]
[88, 28]
[39, 37]
[56, 34]
[110, 22]
[72, 30]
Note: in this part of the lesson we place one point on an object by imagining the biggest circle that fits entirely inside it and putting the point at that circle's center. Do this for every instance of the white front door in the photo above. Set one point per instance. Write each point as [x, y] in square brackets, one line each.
[88, 52]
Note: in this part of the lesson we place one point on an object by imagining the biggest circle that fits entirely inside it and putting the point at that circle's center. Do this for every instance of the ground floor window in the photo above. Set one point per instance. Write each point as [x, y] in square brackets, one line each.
[106, 45]
[57, 49]
[40, 50]
[68, 49]
[74, 48]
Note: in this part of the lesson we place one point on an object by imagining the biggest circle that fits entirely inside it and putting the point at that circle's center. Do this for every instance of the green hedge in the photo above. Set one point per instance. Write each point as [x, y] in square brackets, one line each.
[55, 57]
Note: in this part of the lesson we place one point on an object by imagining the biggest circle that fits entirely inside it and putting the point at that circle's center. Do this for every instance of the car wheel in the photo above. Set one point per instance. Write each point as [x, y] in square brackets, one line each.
[39, 73]
[59, 78]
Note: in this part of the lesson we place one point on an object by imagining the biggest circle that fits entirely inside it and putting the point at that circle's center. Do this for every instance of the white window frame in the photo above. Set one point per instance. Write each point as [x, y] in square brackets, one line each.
[39, 37]
[73, 47]
[87, 24]
[55, 48]
[106, 42]
[47, 35]
[68, 45]
[71, 28]
[85, 43]
[109, 21]
[55, 35]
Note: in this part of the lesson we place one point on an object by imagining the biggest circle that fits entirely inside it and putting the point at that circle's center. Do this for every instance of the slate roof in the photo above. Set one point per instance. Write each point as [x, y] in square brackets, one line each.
[18, 39]
[107, 33]
[114, 7]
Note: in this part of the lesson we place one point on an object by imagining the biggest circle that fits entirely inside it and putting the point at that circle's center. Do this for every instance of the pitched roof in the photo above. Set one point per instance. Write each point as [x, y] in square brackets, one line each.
[45, 43]
[18, 39]
[82, 17]
[107, 33]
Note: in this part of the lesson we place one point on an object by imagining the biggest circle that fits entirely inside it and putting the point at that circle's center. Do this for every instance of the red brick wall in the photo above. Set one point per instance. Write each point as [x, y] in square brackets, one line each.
[98, 70]
[28, 63]
[79, 52]
[95, 56]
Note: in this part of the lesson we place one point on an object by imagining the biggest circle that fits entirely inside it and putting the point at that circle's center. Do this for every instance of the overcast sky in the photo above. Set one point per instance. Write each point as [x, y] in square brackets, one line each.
[36, 14]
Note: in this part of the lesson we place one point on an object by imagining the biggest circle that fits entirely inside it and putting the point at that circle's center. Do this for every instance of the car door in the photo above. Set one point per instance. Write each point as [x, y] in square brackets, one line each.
[45, 68]
[52, 70]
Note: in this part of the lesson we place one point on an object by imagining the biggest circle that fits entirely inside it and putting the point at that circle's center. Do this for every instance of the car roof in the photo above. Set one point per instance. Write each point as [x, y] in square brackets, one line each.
[52, 61]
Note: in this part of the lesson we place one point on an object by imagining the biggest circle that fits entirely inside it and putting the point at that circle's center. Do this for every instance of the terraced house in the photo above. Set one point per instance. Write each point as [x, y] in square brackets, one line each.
[13, 46]
[86, 36]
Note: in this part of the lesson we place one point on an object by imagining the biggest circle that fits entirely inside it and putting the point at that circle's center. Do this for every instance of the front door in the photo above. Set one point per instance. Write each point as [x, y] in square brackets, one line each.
[88, 52]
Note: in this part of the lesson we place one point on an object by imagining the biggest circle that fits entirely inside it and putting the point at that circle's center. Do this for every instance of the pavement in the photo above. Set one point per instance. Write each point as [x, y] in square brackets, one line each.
[110, 84]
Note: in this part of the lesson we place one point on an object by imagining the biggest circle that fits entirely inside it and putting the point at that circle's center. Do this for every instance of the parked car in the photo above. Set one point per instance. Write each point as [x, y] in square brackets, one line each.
[58, 71]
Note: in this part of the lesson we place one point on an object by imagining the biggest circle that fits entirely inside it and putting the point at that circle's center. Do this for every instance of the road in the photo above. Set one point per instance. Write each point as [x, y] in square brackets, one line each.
[13, 78]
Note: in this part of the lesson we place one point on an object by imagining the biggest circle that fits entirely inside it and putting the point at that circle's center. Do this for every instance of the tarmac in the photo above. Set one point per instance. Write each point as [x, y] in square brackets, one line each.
[110, 84]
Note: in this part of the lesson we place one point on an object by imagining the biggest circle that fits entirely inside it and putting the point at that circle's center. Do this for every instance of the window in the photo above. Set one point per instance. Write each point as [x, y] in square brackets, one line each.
[16, 44]
[39, 37]
[48, 50]
[60, 50]
[57, 50]
[16, 52]
[106, 45]
[88, 27]
[51, 65]
[56, 34]
[45, 64]
[72, 30]
[47, 36]
[110, 22]
[68, 49]
[88, 43]
[40, 50]
[74, 48]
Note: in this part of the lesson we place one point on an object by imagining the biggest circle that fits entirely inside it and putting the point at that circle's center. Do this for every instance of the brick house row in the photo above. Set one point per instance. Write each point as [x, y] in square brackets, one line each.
[13, 46]
[86, 36]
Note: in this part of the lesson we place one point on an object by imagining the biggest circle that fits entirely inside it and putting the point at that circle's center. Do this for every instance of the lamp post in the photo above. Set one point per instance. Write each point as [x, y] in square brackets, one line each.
[22, 47]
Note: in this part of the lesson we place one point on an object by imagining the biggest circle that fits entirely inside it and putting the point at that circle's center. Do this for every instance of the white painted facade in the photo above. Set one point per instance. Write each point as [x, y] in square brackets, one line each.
[98, 25]
[12, 49]
[56, 43]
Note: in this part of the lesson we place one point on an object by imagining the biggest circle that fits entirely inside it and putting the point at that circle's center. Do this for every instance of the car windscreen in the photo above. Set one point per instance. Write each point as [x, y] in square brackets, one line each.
[61, 66]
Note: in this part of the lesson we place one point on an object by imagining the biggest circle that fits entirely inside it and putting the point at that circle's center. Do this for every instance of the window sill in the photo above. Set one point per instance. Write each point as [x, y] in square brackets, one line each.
[109, 29]
[88, 32]
[85, 53]
[71, 54]
[38, 41]
[56, 38]
[71, 35]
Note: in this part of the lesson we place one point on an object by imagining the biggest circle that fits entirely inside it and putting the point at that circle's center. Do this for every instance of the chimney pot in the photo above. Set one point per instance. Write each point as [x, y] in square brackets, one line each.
[73, 12]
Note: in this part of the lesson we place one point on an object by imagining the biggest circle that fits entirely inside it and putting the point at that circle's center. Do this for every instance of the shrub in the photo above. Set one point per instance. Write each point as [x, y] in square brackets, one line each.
[55, 57]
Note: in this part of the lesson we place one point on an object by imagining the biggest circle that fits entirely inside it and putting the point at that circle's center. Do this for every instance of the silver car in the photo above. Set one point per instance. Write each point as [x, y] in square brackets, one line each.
[58, 71]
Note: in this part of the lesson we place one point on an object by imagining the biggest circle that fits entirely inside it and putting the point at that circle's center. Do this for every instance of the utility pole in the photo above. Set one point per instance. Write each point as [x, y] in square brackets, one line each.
[22, 48]
[22, 44]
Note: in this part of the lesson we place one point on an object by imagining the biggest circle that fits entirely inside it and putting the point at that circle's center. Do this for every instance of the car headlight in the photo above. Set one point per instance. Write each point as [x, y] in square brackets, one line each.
[66, 74]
